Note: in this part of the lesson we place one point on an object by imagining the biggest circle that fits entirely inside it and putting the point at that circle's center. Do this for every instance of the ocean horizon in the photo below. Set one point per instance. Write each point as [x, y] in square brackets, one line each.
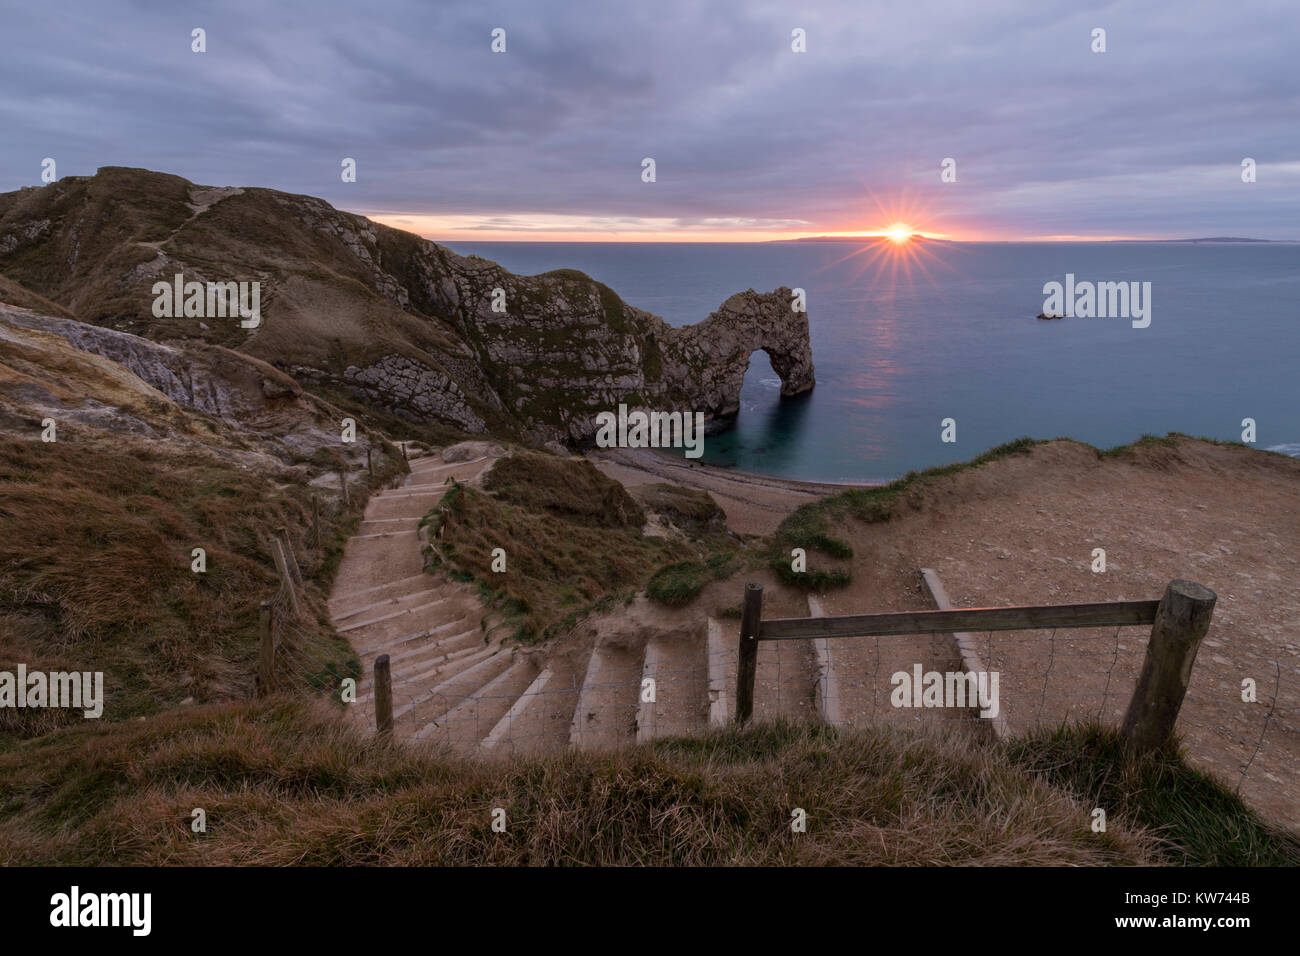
[904, 339]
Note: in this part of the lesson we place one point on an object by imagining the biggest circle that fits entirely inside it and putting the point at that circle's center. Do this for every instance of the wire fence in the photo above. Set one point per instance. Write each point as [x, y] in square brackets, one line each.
[455, 690]
[471, 697]
[296, 653]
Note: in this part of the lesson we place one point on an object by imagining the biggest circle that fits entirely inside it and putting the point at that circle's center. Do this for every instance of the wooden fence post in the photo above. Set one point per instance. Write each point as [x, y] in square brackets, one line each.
[747, 661]
[383, 698]
[1182, 620]
[289, 555]
[343, 483]
[405, 456]
[370, 465]
[266, 654]
[286, 576]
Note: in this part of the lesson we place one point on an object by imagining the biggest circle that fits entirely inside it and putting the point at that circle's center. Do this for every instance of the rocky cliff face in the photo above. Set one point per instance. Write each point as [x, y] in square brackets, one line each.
[403, 324]
[117, 382]
[708, 361]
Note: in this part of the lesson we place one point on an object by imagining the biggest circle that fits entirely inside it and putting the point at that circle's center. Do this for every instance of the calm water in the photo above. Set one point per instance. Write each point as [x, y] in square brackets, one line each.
[950, 332]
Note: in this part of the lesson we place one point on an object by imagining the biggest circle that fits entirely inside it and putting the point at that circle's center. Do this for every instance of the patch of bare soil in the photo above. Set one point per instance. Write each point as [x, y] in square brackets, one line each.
[1022, 530]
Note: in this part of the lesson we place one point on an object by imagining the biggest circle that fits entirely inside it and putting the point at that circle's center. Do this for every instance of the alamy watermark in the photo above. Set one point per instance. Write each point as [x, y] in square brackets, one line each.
[948, 689]
[75, 909]
[1102, 300]
[640, 429]
[213, 300]
[78, 690]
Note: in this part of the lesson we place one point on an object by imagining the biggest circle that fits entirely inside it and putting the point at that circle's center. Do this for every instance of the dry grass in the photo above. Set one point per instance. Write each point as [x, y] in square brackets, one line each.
[96, 535]
[569, 488]
[573, 540]
[557, 569]
[691, 509]
[283, 783]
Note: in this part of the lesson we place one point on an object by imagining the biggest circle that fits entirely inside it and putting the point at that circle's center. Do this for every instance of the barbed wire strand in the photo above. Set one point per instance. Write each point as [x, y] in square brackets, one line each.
[1277, 685]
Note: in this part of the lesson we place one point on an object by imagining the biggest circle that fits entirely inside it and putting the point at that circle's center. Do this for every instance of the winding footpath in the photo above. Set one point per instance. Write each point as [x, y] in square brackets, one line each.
[463, 691]
[429, 626]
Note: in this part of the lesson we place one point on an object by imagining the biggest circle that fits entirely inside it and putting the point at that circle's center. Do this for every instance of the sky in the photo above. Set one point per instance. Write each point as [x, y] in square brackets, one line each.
[750, 139]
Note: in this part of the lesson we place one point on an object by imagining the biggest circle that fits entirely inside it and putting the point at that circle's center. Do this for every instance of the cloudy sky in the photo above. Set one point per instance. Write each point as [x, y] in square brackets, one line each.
[750, 139]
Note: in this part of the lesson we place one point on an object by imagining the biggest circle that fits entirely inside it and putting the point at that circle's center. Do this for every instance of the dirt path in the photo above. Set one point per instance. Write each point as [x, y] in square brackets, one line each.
[1022, 530]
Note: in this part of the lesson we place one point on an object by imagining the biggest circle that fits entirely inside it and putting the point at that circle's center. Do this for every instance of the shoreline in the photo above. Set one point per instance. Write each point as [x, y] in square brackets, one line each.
[754, 504]
[651, 459]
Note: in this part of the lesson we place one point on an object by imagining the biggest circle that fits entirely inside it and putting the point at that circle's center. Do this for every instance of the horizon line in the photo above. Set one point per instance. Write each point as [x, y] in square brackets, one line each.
[664, 240]
[430, 230]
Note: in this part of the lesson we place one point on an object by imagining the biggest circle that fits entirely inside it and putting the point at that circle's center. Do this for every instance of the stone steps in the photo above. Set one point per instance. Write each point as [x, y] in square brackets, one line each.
[679, 669]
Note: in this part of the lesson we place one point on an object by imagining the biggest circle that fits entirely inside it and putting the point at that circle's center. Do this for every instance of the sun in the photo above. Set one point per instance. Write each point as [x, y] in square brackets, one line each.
[896, 248]
[899, 232]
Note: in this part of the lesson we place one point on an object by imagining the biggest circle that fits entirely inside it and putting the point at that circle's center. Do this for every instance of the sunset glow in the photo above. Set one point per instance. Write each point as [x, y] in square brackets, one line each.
[899, 232]
[899, 217]
[535, 227]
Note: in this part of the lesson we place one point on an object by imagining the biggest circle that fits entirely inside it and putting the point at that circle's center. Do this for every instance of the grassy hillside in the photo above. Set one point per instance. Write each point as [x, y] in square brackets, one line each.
[349, 306]
[282, 784]
[96, 536]
[573, 540]
[96, 532]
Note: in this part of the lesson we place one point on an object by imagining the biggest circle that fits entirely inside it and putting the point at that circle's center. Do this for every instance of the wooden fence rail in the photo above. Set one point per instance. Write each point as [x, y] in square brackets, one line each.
[1179, 622]
[1019, 618]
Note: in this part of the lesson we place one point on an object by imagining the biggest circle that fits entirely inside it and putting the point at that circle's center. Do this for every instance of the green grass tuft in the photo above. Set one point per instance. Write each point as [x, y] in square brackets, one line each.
[1198, 820]
[679, 583]
[809, 526]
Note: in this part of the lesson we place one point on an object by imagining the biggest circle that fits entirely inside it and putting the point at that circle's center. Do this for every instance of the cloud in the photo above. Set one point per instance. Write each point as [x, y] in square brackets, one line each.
[1049, 137]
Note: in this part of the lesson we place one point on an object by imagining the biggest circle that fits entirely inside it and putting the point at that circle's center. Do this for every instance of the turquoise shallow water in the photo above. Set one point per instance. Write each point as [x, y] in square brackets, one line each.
[950, 332]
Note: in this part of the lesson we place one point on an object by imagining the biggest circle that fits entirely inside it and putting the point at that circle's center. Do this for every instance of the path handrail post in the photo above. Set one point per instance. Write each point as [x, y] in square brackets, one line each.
[383, 698]
[282, 568]
[1181, 623]
[291, 560]
[747, 660]
[266, 650]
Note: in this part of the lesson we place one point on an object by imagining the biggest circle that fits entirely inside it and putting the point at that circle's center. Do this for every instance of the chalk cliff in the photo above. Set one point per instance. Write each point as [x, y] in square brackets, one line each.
[406, 325]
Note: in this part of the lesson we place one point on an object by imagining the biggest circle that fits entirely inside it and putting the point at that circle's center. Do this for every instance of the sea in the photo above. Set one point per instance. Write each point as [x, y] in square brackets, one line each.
[906, 338]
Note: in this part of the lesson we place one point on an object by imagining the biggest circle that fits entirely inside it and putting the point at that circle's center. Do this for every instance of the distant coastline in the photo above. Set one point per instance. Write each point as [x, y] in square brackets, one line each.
[918, 237]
